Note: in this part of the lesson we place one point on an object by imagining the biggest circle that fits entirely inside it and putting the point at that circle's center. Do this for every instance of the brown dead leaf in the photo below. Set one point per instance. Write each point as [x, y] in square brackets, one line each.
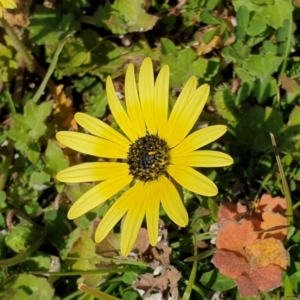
[166, 283]
[142, 241]
[63, 113]
[231, 211]
[20, 15]
[289, 84]
[266, 252]
[175, 11]
[203, 48]
[110, 246]
[272, 220]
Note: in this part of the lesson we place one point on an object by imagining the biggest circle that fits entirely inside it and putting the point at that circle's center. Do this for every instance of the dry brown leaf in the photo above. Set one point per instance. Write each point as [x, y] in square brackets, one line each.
[63, 114]
[20, 15]
[166, 283]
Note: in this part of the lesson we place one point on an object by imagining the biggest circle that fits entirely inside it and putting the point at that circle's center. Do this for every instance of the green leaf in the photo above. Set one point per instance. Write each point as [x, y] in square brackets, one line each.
[295, 277]
[168, 46]
[47, 27]
[265, 88]
[208, 18]
[256, 28]
[20, 121]
[2, 200]
[186, 63]
[54, 158]
[125, 16]
[209, 35]
[262, 66]
[84, 250]
[291, 133]
[211, 4]
[96, 105]
[273, 13]
[237, 52]
[20, 137]
[37, 262]
[243, 17]
[39, 179]
[36, 288]
[35, 116]
[217, 281]
[69, 241]
[33, 152]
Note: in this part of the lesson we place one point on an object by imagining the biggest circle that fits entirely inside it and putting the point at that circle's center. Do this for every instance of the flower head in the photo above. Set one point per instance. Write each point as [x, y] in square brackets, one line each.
[7, 4]
[155, 150]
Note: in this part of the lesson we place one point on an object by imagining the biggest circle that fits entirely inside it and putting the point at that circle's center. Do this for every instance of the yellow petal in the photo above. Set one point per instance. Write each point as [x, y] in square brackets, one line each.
[152, 211]
[186, 93]
[118, 111]
[192, 180]
[8, 4]
[184, 119]
[133, 105]
[91, 145]
[146, 91]
[133, 220]
[97, 195]
[94, 171]
[101, 129]
[116, 212]
[199, 139]
[161, 99]
[204, 158]
[171, 202]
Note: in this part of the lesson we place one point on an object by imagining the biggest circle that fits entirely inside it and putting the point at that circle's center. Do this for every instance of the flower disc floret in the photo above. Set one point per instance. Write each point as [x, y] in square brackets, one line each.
[148, 158]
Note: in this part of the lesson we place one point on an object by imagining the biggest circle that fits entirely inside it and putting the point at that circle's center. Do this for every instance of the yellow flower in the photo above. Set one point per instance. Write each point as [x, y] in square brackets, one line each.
[7, 4]
[155, 150]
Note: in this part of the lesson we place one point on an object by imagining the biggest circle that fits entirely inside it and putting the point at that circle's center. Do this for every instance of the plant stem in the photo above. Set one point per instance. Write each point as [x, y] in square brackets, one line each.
[288, 42]
[18, 45]
[50, 70]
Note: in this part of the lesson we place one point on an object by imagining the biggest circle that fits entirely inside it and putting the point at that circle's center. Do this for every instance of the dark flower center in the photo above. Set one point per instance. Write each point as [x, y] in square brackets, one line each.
[148, 157]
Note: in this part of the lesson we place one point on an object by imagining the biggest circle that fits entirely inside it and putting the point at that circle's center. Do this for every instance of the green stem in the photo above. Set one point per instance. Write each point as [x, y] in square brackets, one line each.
[8, 97]
[286, 190]
[18, 45]
[188, 290]
[288, 42]
[95, 293]
[50, 70]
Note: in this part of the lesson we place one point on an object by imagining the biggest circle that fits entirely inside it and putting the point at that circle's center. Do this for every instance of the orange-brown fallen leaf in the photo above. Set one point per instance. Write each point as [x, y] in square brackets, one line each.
[267, 252]
[250, 244]
[258, 268]
[265, 279]
[234, 236]
[231, 211]
[277, 204]
[272, 220]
